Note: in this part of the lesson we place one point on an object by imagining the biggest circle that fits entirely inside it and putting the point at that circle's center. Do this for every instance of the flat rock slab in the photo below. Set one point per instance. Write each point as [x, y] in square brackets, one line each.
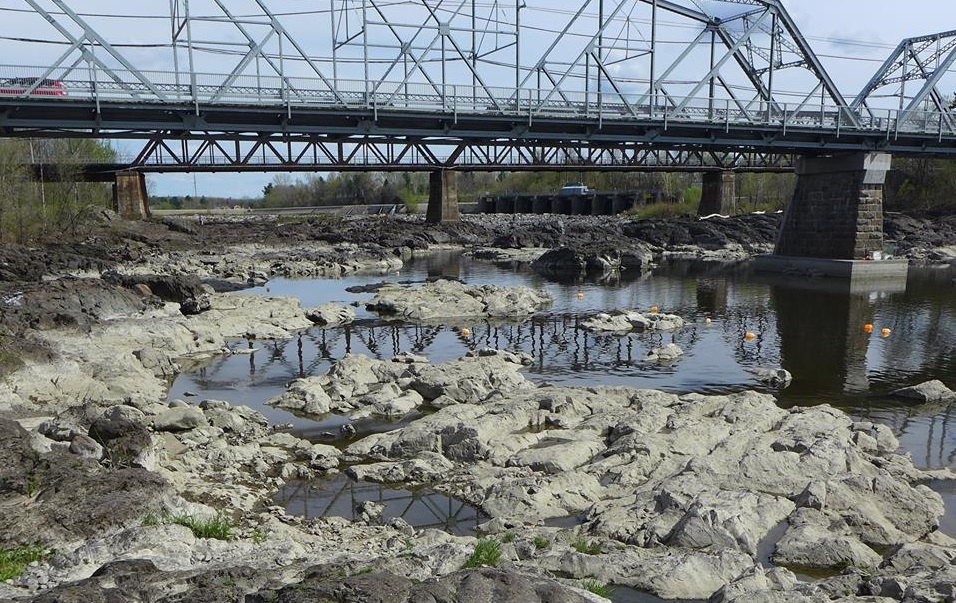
[929, 391]
[452, 299]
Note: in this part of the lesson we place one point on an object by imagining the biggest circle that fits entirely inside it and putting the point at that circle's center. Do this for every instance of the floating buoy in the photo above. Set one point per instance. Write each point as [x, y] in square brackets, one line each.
[707, 321]
[465, 332]
[885, 332]
[748, 336]
[655, 309]
[868, 328]
[580, 295]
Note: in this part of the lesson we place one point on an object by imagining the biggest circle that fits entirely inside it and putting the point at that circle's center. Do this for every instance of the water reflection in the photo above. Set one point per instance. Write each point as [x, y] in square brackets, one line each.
[808, 327]
[342, 497]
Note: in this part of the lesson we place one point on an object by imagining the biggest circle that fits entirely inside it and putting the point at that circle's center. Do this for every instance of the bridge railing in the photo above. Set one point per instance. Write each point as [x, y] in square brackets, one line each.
[293, 93]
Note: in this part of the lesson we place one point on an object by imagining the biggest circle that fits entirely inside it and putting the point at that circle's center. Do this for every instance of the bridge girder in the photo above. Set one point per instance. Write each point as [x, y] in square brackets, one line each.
[924, 59]
[741, 78]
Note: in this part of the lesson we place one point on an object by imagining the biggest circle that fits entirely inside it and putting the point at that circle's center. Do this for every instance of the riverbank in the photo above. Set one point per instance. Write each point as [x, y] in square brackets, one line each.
[685, 496]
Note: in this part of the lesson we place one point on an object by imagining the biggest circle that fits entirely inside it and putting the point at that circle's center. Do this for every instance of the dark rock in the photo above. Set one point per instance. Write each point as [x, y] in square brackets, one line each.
[186, 290]
[18, 460]
[86, 447]
[78, 499]
[485, 584]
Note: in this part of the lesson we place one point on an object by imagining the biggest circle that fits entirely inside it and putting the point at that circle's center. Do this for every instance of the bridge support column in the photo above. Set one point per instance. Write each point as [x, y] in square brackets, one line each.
[719, 194]
[837, 208]
[442, 197]
[130, 199]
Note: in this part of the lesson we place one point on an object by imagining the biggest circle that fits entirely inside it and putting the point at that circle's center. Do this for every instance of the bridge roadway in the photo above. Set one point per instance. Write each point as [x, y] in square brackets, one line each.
[466, 119]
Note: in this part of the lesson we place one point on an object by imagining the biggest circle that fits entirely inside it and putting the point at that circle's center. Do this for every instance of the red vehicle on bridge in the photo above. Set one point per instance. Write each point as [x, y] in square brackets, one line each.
[40, 87]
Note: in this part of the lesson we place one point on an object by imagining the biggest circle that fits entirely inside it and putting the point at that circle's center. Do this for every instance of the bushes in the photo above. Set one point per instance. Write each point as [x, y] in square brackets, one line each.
[34, 209]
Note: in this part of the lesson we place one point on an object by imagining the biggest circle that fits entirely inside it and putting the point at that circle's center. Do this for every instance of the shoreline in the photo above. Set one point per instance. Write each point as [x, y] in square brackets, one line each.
[105, 422]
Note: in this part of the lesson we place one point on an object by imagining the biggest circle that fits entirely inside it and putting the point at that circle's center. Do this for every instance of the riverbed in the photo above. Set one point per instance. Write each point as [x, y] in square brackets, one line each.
[814, 328]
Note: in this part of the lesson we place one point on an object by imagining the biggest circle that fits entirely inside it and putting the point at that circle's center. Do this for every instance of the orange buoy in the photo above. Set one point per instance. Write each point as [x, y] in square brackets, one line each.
[580, 295]
[465, 332]
[885, 332]
[748, 336]
[868, 328]
[655, 309]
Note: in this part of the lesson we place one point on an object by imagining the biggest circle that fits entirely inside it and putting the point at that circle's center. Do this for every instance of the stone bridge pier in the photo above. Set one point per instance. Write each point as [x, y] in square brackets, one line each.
[442, 197]
[833, 226]
[130, 199]
[837, 208]
[719, 194]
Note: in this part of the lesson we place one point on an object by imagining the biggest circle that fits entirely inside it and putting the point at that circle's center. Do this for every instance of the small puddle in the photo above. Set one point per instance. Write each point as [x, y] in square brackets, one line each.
[340, 496]
[571, 521]
[626, 594]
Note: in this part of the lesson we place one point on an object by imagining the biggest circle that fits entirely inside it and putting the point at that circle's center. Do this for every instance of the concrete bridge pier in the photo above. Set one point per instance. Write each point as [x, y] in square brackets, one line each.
[130, 199]
[719, 194]
[442, 197]
[837, 208]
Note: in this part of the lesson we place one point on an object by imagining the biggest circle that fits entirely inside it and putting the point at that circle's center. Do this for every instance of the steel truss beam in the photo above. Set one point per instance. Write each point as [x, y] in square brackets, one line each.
[305, 153]
[718, 76]
[925, 59]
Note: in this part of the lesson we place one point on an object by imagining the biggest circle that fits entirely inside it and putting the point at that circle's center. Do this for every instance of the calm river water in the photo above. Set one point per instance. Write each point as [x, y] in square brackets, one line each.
[811, 327]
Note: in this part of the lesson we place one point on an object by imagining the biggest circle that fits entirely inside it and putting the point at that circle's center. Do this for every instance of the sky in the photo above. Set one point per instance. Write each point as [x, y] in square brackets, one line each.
[863, 29]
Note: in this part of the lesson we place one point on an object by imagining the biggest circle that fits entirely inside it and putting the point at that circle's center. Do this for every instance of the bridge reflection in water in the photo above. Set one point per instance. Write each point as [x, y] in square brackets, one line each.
[341, 497]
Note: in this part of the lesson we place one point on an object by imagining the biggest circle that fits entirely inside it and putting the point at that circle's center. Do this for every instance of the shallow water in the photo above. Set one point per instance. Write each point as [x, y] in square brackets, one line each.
[811, 327]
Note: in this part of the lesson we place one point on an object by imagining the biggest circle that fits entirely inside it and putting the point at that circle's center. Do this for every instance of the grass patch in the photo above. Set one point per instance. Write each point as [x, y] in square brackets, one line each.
[540, 542]
[487, 553]
[664, 211]
[218, 526]
[598, 588]
[586, 546]
[508, 537]
[13, 562]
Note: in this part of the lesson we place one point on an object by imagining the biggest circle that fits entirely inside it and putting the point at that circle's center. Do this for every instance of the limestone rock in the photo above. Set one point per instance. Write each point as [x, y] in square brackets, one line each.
[452, 299]
[929, 391]
[668, 353]
[180, 419]
[773, 377]
[331, 315]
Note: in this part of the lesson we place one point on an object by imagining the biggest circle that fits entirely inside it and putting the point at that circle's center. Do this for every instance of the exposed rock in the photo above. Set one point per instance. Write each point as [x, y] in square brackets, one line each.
[86, 447]
[625, 321]
[929, 391]
[187, 291]
[331, 315]
[773, 377]
[668, 353]
[180, 419]
[452, 299]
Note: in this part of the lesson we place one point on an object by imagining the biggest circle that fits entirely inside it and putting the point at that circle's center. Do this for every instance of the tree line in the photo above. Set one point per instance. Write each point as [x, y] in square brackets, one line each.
[42, 195]
[411, 188]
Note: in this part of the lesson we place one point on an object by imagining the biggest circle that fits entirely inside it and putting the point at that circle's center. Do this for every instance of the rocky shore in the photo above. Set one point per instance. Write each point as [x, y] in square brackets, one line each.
[111, 492]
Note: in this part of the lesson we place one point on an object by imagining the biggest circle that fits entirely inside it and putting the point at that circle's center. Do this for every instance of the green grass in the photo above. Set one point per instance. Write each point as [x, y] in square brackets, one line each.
[218, 526]
[12, 563]
[586, 546]
[664, 211]
[487, 553]
[598, 588]
[508, 537]
[540, 542]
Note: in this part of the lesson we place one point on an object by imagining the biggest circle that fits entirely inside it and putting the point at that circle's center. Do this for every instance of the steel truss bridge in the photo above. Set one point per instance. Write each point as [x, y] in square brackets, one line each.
[262, 85]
